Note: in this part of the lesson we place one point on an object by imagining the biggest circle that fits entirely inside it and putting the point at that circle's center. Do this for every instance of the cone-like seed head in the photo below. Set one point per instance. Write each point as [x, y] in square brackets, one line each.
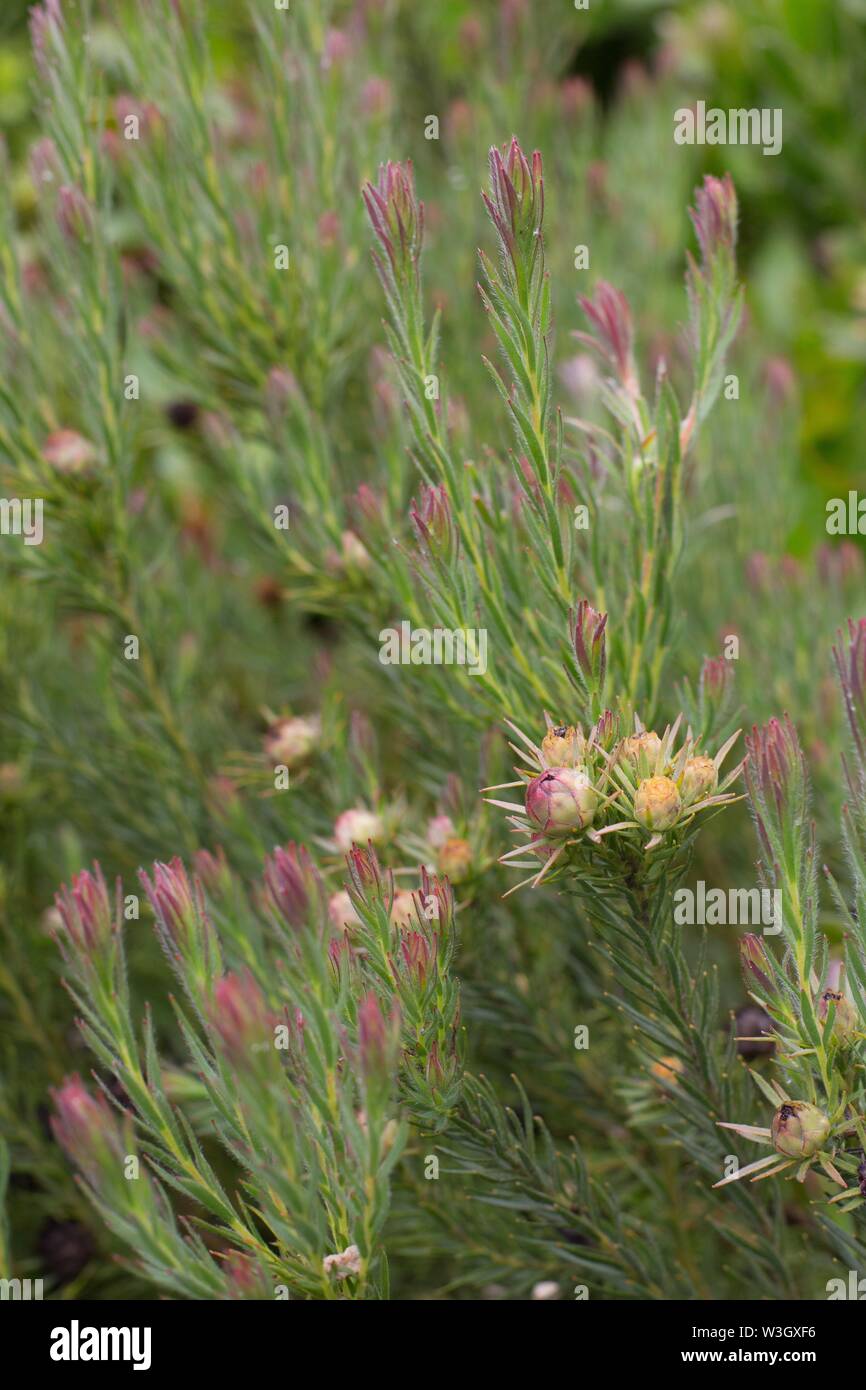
[700, 779]
[563, 745]
[658, 804]
[845, 1024]
[561, 800]
[799, 1129]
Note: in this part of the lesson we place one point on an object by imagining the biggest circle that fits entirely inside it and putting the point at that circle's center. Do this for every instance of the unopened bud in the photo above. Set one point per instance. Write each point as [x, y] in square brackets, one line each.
[562, 745]
[715, 216]
[455, 859]
[74, 213]
[439, 829]
[657, 804]
[641, 749]
[293, 883]
[69, 453]
[590, 645]
[341, 911]
[799, 1129]
[403, 912]
[240, 1015]
[378, 1037]
[358, 826]
[86, 913]
[700, 779]
[754, 963]
[561, 800]
[87, 1129]
[291, 741]
[845, 1023]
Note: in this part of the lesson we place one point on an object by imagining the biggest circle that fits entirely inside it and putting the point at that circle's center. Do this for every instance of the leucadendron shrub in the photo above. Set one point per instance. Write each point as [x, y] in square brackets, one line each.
[402, 1004]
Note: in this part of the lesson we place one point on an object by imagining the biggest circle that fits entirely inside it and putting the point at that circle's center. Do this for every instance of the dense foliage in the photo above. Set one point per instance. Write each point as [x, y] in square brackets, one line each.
[338, 959]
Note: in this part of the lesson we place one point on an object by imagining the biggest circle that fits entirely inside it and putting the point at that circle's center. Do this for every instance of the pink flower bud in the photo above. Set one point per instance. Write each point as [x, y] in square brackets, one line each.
[613, 335]
[433, 522]
[86, 1128]
[378, 1037]
[86, 912]
[245, 1278]
[281, 389]
[364, 869]
[341, 911]
[178, 906]
[45, 167]
[290, 742]
[346, 1263]
[293, 884]
[358, 826]
[46, 24]
[69, 452]
[774, 763]
[590, 646]
[212, 869]
[515, 203]
[851, 665]
[455, 859]
[575, 97]
[397, 218]
[240, 1016]
[419, 954]
[375, 96]
[561, 800]
[74, 213]
[715, 216]
[754, 963]
[439, 829]
[338, 47]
